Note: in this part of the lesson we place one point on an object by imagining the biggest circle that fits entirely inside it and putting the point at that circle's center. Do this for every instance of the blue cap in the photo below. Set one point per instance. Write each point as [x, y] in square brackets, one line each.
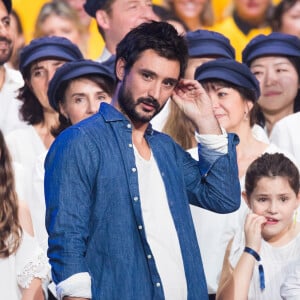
[209, 43]
[72, 70]
[7, 4]
[48, 47]
[275, 44]
[91, 6]
[230, 71]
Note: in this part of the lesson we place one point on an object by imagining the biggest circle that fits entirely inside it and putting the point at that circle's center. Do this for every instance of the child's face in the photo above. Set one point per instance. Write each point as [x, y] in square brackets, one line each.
[274, 199]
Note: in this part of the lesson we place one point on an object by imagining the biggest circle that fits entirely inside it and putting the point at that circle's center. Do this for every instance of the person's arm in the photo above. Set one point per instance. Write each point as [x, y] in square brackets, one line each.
[218, 187]
[235, 283]
[70, 168]
[34, 291]
[25, 218]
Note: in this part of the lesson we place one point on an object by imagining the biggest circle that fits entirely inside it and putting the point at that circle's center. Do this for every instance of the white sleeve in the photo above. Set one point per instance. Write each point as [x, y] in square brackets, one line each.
[77, 285]
[217, 143]
[31, 261]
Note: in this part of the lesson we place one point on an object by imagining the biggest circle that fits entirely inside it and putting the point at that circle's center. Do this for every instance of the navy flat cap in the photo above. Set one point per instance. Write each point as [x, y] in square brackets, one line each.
[91, 6]
[209, 43]
[275, 44]
[228, 70]
[7, 4]
[48, 47]
[72, 70]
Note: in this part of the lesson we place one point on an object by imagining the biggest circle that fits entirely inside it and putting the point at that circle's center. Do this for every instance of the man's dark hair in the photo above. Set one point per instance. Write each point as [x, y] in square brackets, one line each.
[158, 36]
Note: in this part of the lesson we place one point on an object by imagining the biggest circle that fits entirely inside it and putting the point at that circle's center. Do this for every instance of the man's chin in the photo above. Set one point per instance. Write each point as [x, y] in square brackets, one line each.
[4, 57]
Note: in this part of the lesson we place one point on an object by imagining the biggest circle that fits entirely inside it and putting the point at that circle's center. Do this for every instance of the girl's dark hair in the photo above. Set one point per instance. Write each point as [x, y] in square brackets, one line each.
[10, 228]
[107, 84]
[31, 110]
[271, 165]
[281, 8]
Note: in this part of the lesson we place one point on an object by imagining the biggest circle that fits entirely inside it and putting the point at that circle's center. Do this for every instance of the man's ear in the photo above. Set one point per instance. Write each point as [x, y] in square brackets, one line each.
[120, 68]
[244, 195]
[102, 19]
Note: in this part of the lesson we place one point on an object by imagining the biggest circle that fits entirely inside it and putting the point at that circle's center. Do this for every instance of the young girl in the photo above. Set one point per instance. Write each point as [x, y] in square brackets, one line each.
[259, 258]
[22, 262]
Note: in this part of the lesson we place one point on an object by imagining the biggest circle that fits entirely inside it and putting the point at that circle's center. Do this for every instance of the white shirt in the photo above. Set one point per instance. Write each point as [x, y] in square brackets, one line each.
[26, 146]
[285, 134]
[18, 270]
[105, 55]
[9, 112]
[277, 262]
[160, 229]
[290, 289]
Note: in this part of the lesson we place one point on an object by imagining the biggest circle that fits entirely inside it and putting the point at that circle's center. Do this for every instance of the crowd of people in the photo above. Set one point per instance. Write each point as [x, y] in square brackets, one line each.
[150, 150]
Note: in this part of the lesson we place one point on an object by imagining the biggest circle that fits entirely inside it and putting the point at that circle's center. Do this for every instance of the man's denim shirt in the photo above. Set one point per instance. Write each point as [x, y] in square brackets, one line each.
[94, 216]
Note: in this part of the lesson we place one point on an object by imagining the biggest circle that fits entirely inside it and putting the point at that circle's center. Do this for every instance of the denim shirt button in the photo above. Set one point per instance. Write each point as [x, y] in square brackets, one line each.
[130, 145]
[135, 198]
[158, 284]
[133, 169]
[140, 227]
[149, 256]
[128, 125]
[203, 179]
[162, 174]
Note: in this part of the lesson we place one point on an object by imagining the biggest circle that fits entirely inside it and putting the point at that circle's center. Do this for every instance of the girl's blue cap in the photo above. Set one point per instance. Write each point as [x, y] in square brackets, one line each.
[48, 47]
[274, 44]
[209, 43]
[230, 71]
[73, 70]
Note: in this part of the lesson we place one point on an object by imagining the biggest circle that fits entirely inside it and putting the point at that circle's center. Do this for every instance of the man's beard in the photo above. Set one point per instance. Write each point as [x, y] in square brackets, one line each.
[128, 105]
[5, 53]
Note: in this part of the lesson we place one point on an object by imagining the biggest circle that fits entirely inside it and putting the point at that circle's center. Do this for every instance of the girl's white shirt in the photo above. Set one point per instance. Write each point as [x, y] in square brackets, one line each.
[19, 269]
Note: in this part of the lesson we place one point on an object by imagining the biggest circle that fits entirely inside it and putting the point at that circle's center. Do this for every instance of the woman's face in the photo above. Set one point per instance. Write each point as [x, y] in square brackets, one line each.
[189, 9]
[41, 73]
[82, 99]
[290, 21]
[252, 10]
[274, 199]
[59, 26]
[279, 83]
[230, 109]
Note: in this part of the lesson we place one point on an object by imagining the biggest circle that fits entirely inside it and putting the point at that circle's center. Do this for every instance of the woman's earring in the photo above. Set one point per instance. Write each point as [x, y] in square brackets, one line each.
[295, 217]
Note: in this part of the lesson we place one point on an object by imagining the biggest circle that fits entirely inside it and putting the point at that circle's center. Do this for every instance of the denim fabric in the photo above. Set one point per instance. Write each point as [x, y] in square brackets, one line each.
[94, 216]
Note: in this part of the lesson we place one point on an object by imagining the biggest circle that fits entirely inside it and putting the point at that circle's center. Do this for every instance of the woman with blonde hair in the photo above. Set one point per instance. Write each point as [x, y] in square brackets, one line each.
[58, 18]
[195, 14]
[23, 265]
